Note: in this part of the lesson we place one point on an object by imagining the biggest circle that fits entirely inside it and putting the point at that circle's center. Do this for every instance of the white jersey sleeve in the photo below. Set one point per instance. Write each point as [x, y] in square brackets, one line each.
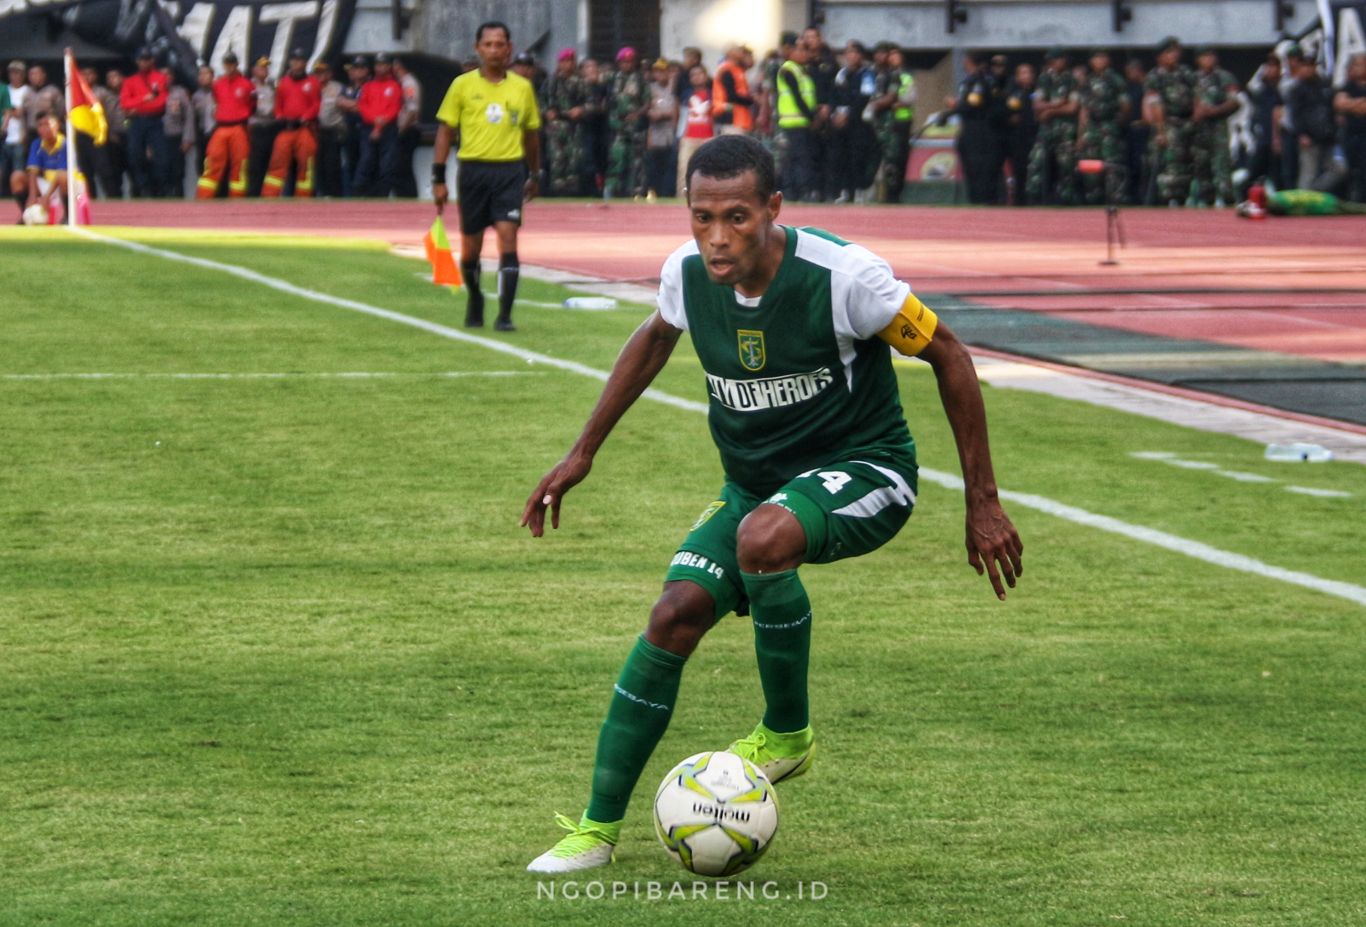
[670, 299]
[872, 295]
[864, 295]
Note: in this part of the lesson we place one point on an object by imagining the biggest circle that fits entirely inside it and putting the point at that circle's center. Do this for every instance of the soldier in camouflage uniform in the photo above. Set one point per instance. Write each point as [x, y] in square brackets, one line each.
[1053, 161]
[894, 108]
[1216, 98]
[562, 99]
[1168, 104]
[630, 102]
[1100, 125]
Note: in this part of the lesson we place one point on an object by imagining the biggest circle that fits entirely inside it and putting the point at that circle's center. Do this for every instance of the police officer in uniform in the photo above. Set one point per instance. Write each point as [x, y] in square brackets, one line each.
[976, 140]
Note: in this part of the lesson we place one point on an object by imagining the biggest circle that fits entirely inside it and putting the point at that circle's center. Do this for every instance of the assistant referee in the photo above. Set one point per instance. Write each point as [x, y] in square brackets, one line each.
[495, 115]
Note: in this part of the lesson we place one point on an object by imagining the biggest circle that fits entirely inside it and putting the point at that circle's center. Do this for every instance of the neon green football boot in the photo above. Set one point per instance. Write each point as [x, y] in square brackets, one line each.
[588, 845]
[778, 756]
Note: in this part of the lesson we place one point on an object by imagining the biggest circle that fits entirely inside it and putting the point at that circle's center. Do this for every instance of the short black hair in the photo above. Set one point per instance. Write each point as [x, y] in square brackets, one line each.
[492, 24]
[728, 156]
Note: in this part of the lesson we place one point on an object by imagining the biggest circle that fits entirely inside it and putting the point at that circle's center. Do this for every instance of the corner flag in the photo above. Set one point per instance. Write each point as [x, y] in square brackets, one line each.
[87, 115]
[445, 272]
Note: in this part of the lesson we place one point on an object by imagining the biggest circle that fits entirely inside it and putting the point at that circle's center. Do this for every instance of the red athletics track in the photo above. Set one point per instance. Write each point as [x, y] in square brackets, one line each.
[1293, 285]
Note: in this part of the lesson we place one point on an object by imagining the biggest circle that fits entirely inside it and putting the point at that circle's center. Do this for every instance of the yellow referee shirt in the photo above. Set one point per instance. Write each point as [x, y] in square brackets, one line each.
[491, 117]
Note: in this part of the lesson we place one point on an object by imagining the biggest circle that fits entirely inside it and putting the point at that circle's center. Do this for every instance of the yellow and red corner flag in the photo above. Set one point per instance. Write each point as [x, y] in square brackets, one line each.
[445, 272]
[85, 112]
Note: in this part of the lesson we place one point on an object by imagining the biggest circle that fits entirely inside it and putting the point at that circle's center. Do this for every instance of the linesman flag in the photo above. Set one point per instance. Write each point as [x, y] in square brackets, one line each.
[85, 112]
[445, 272]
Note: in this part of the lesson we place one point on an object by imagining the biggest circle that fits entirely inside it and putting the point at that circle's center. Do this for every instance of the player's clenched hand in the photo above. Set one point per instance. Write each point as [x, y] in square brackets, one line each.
[439, 195]
[564, 476]
[993, 545]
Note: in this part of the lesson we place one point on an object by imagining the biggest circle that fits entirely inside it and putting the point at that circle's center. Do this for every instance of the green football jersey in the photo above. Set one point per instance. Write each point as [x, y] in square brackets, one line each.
[796, 378]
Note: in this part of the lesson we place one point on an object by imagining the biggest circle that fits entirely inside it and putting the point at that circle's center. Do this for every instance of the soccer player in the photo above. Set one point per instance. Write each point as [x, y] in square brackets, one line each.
[792, 328]
[494, 111]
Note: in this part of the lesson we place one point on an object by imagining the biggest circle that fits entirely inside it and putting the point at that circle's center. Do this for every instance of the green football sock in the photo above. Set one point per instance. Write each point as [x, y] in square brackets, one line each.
[642, 703]
[782, 642]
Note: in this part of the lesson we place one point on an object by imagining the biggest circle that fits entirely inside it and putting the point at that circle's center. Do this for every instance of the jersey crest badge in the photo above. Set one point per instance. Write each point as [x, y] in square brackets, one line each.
[752, 356]
[493, 113]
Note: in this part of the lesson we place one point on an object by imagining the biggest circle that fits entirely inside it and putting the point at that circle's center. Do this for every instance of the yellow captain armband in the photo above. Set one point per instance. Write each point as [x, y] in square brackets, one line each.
[913, 327]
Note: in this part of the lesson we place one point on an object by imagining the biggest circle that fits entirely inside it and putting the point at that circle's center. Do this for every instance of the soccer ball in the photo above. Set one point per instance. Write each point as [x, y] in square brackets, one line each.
[35, 215]
[716, 813]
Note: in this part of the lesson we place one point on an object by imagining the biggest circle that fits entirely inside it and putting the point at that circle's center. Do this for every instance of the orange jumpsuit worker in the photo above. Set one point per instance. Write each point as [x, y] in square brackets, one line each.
[298, 97]
[234, 100]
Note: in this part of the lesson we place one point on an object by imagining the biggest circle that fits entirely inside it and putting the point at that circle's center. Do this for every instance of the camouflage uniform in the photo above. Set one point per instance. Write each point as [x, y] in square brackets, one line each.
[560, 95]
[893, 127]
[1211, 164]
[1055, 149]
[1171, 163]
[1103, 97]
[626, 166]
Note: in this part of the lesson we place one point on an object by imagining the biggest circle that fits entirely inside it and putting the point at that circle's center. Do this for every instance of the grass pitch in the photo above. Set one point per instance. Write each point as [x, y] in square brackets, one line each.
[273, 649]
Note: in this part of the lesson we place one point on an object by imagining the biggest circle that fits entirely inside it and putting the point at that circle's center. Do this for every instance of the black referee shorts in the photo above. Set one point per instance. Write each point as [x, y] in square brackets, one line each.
[489, 192]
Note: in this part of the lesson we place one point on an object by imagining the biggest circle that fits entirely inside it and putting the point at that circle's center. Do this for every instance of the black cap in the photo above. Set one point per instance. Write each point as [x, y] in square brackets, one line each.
[298, 53]
[383, 58]
[360, 61]
[145, 52]
[1168, 43]
[230, 57]
[525, 58]
[787, 39]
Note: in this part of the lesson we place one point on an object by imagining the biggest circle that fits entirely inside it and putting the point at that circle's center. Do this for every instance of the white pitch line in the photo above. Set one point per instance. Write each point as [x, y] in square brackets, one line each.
[1180, 545]
[1171, 460]
[1319, 493]
[280, 375]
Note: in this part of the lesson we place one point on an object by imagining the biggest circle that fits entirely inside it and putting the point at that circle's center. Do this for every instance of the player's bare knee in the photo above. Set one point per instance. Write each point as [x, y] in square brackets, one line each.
[680, 618]
[770, 540]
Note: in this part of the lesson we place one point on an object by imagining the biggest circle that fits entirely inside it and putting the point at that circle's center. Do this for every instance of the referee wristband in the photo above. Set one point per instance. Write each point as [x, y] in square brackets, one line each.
[438, 173]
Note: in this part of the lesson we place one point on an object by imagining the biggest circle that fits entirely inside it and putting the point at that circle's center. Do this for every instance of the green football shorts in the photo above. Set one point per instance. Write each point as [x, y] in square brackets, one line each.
[846, 509]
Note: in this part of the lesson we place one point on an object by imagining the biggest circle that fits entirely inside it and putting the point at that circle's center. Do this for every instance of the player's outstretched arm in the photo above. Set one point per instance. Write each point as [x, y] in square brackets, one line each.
[642, 358]
[993, 544]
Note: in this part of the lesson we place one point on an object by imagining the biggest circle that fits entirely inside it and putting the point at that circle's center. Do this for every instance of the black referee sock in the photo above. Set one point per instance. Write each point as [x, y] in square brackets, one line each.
[474, 308]
[509, 269]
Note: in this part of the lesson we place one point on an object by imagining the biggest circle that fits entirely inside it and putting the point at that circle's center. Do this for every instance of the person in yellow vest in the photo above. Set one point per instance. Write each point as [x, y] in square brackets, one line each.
[730, 97]
[796, 111]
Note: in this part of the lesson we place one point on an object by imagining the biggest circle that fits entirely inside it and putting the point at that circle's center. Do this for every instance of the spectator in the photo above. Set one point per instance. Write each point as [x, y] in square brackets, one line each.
[853, 149]
[697, 126]
[331, 131]
[112, 161]
[562, 99]
[1103, 110]
[178, 126]
[822, 68]
[409, 135]
[381, 101]
[1312, 124]
[1290, 149]
[662, 132]
[595, 136]
[262, 126]
[1023, 129]
[683, 85]
[630, 102]
[42, 99]
[1136, 134]
[234, 101]
[44, 178]
[895, 108]
[1168, 104]
[202, 100]
[13, 156]
[1350, 104]
[976, 140]
[358, 74]
[731, 102]
[1264, 95]
[144, 101]
[298, 99]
